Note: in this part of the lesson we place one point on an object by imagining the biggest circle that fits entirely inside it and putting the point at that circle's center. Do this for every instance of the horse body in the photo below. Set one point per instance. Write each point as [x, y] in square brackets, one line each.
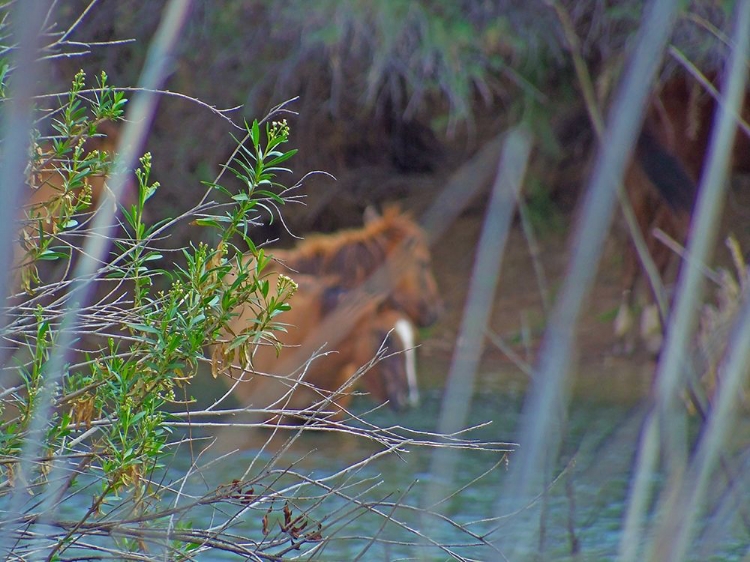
[661, 182]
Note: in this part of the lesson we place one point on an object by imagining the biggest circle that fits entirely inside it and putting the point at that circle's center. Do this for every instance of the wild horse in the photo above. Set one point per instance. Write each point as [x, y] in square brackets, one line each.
[357, 289]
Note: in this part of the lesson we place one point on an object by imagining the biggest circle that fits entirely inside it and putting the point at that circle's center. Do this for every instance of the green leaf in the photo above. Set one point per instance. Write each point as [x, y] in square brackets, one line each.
[51, 255]
[145, 328]
[255, 134]
[210, 222]
[241, 197]
[283, 158]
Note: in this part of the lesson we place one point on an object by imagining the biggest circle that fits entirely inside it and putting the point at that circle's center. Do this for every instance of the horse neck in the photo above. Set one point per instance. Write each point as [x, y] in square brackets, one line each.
[350, 258]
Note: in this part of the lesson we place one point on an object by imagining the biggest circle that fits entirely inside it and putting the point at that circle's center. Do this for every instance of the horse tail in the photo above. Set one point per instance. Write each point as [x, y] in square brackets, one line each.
[666, 172]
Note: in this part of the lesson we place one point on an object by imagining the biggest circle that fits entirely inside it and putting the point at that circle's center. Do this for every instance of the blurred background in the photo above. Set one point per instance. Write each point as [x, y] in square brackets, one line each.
[393, 99]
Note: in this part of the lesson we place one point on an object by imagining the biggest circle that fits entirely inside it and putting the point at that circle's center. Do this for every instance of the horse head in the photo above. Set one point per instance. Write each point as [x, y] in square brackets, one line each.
[413, 288]
[394, 377]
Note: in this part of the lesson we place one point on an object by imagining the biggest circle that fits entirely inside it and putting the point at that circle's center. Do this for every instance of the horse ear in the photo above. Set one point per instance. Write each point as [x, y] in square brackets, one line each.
[371, 214]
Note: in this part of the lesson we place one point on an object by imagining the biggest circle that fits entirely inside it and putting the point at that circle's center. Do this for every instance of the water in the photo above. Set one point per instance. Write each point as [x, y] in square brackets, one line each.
[581, 515]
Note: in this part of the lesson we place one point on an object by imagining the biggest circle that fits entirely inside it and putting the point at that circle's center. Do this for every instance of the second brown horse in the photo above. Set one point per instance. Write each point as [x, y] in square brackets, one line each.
[661, 183]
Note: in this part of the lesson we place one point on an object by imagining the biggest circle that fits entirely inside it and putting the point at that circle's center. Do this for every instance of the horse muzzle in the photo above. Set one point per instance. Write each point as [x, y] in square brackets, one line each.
[429, 313]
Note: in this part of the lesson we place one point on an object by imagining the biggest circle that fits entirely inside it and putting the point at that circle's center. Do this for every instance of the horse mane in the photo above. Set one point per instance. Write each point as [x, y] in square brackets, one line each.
[354, 254]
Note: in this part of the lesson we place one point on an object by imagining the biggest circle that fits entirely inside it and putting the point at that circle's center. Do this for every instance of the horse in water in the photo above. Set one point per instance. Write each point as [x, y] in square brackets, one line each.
[327, 338]
[661, 183]
[357, 289]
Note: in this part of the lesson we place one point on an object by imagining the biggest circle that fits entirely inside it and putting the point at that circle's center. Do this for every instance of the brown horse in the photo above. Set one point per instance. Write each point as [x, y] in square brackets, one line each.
[661, 184]
[49, 203]
[324, 313]
[389, 256]
[354, 287]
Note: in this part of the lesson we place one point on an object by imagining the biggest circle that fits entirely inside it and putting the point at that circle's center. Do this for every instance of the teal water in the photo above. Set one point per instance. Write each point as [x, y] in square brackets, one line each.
[580, 516]
[373, 512]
